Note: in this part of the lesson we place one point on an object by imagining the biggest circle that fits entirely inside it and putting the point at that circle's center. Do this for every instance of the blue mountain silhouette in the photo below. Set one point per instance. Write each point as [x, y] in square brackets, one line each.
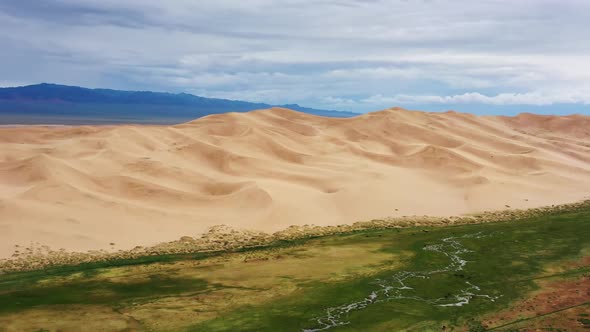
[54, 103]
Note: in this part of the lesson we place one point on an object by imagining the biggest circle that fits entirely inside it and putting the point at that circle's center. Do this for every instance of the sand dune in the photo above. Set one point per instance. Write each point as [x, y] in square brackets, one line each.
[82, 188]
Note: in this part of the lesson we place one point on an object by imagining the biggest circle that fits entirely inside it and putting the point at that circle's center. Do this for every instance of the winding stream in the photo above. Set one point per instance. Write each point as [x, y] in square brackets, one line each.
[396, 287]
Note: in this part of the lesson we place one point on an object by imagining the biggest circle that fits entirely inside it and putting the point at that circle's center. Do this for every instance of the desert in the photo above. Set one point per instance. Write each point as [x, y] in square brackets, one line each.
[113, 187]
[294, 166]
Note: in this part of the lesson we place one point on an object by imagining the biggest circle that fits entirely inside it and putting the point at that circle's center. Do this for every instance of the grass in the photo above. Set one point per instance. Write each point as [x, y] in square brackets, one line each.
[98, 292]
[288, 285]
[534, 244]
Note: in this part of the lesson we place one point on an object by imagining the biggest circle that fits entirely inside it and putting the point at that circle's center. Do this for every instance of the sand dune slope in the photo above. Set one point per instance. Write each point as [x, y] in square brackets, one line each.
[83, 188]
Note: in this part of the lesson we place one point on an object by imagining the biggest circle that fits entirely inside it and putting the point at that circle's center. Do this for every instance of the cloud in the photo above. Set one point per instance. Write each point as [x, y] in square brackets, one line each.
[529, 98]
[8, 84]
[348, 54]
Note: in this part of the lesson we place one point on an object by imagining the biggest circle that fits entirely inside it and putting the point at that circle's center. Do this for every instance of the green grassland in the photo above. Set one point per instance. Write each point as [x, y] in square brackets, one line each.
[410, 279]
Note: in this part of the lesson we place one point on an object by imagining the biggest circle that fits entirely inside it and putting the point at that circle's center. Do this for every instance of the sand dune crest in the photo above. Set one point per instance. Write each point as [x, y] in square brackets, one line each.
[84, 187]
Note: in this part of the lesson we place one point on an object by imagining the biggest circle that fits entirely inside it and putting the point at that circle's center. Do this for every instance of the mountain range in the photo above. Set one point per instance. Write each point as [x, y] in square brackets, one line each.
[61, 104]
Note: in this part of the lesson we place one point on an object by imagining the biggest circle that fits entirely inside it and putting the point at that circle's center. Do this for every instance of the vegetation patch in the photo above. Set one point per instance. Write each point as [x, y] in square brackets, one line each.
[427, 278]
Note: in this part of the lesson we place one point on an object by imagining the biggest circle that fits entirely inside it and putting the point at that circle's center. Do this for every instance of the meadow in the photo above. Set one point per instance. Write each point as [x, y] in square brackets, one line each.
[504, 276]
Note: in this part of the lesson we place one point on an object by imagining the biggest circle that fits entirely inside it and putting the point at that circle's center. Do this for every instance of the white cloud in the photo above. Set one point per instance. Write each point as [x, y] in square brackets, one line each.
[529, 98]
[7, 84]
[350, 54]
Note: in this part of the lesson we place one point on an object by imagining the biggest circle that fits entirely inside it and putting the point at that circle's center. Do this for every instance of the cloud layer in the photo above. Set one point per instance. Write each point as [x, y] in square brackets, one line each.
[340, 54]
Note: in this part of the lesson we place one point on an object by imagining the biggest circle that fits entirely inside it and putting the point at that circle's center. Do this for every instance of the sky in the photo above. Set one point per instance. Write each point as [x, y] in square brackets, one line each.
[485, 56]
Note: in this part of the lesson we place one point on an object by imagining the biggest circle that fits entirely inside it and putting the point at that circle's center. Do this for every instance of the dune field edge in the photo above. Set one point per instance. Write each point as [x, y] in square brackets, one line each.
[222, 238]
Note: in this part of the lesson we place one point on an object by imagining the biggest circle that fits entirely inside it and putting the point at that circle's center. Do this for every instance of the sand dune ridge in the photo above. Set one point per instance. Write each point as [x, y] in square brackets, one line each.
[85, 187]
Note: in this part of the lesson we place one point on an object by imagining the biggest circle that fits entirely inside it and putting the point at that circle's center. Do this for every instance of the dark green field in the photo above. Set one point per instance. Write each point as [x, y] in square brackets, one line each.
[461, 278]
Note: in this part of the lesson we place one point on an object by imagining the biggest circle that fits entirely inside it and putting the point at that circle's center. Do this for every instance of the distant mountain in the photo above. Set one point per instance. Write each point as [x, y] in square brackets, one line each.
[52, 103]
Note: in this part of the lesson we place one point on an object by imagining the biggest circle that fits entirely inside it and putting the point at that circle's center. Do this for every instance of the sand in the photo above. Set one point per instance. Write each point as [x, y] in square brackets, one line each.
[86, 187]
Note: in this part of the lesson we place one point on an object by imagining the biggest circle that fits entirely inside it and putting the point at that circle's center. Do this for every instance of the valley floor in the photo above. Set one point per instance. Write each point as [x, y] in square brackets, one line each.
[521, 275]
